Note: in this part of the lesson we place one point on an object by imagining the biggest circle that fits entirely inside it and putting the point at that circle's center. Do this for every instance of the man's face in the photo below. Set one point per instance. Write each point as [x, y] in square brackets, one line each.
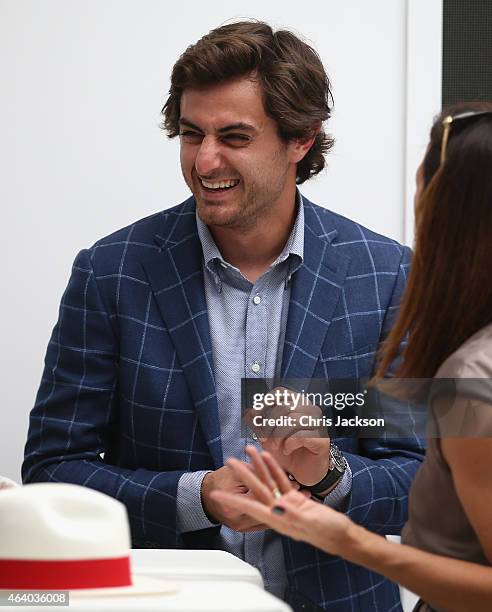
[232, 158]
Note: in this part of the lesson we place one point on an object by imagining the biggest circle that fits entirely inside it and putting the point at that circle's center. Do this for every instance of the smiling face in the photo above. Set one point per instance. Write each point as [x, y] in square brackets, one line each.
[232, 159]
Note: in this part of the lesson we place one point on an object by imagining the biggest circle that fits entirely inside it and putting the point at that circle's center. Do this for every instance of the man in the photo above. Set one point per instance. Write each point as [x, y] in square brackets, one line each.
[140, 397]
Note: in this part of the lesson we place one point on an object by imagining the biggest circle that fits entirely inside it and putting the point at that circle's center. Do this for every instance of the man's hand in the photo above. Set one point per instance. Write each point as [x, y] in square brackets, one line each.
[306, 458]
[225, 480]
[289, 512]
[303, 451]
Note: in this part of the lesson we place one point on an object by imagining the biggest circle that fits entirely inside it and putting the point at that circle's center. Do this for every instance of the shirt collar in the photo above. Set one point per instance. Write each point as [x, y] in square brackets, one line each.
[295, 241]
[293, 246]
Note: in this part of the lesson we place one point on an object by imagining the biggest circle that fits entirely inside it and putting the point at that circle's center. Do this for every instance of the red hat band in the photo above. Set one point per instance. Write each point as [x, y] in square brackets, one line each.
[65, 575]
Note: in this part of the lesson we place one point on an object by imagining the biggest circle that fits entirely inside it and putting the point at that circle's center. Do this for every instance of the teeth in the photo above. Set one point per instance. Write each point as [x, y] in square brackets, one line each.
[220, 184]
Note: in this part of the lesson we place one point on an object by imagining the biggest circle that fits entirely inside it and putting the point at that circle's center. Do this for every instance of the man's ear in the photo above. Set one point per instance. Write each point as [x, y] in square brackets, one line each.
[300, 146]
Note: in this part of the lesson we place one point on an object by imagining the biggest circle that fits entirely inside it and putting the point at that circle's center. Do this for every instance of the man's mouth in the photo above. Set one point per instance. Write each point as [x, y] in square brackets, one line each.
[218, 186]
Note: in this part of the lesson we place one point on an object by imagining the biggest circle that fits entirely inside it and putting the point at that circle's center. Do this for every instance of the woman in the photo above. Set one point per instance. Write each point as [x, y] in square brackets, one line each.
[446, 557]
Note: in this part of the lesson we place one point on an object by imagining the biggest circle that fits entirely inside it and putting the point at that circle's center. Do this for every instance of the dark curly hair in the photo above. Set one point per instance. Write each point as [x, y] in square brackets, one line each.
[296, 88]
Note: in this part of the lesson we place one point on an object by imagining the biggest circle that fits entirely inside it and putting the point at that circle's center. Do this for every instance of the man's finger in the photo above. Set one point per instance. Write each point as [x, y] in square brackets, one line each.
[293, 443]
[253, 508]
[270, 444]
[304, 439]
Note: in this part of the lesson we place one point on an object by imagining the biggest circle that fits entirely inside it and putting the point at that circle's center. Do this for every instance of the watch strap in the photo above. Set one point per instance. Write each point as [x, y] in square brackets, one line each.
[333, 475]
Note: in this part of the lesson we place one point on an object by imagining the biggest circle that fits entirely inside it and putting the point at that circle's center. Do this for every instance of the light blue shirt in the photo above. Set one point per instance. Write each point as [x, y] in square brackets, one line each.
[247, 328]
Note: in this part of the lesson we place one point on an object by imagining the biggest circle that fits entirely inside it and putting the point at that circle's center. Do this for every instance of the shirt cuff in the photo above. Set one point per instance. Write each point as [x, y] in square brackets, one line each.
[190, 513]
[337, 498]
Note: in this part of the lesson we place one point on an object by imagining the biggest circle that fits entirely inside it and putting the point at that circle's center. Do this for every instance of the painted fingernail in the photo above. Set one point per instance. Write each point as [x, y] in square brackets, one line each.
[278, 510]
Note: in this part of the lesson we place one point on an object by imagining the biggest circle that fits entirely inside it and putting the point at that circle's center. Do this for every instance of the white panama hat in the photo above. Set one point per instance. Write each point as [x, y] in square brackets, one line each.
[6, 483]
[65, 537]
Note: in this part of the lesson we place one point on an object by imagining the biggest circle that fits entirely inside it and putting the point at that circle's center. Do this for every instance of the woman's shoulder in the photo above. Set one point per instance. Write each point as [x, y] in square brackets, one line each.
[473, 359]
[462, 389]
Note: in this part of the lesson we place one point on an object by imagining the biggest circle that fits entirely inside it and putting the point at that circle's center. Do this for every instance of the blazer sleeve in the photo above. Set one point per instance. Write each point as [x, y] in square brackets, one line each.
[383, 469]
[70, 424]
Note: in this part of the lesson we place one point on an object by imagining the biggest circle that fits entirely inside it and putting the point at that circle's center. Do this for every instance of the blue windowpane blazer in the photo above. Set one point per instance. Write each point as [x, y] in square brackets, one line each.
[127, 400]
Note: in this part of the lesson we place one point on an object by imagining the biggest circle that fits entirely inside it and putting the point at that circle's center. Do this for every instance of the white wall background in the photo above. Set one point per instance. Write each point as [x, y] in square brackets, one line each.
[82, 84]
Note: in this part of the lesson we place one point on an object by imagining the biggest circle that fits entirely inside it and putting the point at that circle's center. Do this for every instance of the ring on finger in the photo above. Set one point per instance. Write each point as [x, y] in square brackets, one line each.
[276, 493]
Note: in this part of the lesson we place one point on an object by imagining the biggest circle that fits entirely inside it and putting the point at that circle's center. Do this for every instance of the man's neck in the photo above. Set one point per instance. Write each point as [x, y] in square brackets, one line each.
[252, 250]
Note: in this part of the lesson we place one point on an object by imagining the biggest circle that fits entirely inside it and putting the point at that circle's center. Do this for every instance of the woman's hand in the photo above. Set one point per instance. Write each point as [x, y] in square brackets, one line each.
[283, 508]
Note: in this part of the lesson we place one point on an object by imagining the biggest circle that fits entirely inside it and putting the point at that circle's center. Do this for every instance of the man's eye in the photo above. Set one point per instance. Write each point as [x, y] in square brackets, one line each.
[237, 138]
[191, 136]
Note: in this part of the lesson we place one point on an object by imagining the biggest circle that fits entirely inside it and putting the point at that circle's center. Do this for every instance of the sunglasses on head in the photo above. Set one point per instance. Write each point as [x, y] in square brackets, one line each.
[451, 119]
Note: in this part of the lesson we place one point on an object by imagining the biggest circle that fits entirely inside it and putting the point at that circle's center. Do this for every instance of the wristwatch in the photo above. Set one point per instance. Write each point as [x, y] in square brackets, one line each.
[338, 465]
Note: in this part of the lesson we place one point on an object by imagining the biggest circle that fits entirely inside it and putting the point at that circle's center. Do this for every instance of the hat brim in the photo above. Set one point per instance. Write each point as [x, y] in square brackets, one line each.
[142, 585]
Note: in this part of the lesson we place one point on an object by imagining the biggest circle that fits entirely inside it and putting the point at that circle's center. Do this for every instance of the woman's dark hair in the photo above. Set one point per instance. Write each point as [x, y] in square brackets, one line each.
[448, 297]
[295, 86]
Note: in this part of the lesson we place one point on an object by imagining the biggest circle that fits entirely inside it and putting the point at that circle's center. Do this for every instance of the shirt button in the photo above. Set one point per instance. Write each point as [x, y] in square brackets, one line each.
[256, 299]
[255, 367]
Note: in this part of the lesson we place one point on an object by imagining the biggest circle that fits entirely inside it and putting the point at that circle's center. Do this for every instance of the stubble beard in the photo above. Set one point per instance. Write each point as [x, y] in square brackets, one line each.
[253, 206]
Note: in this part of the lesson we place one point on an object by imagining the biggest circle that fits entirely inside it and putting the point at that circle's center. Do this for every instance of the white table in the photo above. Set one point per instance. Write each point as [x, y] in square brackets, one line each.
[191, 565]
[194, 596]
[209, 581]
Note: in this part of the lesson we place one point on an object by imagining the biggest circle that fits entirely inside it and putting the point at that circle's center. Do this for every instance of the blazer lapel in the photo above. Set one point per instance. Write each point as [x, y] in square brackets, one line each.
[316, 289]
[176, 279]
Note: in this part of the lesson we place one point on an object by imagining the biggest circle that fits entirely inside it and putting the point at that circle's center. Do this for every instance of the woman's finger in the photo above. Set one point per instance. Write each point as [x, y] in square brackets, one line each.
[246, 505]
[249, 477]
[261, 468]
[279, 475]
[286, 515]
[255, 509]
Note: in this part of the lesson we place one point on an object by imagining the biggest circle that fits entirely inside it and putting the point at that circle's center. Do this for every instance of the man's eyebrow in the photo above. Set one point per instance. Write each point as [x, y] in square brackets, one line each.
[227, 128]
[237, 126]
[187, 123]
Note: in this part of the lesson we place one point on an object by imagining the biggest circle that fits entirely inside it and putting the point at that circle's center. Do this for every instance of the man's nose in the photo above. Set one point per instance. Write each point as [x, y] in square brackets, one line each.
[208, 158]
